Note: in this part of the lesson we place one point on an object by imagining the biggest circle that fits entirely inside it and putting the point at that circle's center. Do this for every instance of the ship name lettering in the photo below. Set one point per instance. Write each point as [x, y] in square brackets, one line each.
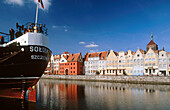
[38, 57]
[38, 49]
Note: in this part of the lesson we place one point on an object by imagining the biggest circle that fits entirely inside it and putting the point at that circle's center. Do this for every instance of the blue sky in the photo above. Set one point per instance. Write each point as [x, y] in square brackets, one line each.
[94, 25]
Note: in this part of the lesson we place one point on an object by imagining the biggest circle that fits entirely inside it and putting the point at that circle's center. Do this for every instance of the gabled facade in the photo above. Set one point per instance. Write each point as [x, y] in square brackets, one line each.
[151, 62]
[71, 64]
[111, 64]
[121, 63]
[138, 62]
[163, 63]
[129, 62]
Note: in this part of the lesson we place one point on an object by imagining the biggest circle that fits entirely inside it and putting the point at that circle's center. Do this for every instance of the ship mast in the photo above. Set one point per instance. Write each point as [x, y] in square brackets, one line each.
[35, 27]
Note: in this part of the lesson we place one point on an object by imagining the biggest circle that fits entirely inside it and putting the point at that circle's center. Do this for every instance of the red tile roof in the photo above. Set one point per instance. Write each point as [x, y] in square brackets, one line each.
[142, 51]
[72, 57]
[101, 55]
[66, 52]
[151, 43]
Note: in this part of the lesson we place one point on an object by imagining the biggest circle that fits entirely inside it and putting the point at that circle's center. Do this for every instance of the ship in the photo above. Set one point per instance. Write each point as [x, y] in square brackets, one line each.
[24, 55]
[24, 59]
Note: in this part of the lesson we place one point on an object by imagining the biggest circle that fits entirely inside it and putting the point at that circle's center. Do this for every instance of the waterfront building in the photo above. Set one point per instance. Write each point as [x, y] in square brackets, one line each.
[56, 63]
[129, 62]
[168, 55]
[71, 64]
[151, 58]
[138, 62]
[163, 63]
[111, 64]
[121, 63]
[50, 67]
[95, 62]
[102, 62]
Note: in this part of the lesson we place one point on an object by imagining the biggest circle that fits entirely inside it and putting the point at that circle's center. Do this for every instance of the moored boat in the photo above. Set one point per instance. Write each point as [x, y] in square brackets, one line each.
[23, 60]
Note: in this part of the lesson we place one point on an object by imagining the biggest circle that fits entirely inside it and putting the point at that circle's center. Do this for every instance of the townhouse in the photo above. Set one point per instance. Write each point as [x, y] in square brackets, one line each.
[129, 62]
[71, 64]
[95, 63]
[112, 63]
[56, 63]
[138, 62]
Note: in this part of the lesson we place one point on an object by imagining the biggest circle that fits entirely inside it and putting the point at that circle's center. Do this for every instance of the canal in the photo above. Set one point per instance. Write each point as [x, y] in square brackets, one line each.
[84, 95]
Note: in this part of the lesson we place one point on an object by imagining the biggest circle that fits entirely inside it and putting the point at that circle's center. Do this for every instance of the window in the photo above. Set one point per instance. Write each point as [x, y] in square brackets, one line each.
[141, 60]
[134, 60]
[138, 55]
[131, 60]
[119, 61]
[153, 64]
[162, 54]
[113, 56]
[110, 57]
[110, 62]
[135, 71]
[148, 54]
[164, 60]
[150, 64]
[113, 61]
[146, 64]
[146, 70]
[71, 67]
[151, 54]
[137, 60]
[164, 65]
[146, 59]
[153, 59]
[107, 61]
[127, 60]
[62, 60]
[149, 59]
[153, 70]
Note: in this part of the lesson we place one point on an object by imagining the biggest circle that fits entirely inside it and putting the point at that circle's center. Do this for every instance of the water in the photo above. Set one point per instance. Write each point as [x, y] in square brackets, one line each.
[81, 95]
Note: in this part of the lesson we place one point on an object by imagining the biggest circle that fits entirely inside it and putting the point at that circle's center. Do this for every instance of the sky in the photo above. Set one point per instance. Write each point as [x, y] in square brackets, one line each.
[94, 25]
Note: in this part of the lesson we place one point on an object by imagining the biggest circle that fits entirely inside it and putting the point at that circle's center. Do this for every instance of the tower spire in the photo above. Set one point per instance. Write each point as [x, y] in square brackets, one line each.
[152, 36]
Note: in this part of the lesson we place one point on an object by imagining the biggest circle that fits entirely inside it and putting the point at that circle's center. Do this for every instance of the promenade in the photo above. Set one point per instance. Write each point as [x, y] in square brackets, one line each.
[164, 80]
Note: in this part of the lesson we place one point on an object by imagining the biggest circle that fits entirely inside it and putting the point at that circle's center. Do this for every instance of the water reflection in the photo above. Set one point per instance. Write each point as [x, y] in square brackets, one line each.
[82, 95]
[79, 95]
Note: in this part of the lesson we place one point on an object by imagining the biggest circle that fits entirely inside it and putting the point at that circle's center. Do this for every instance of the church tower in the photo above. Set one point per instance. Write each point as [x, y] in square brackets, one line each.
[152, 44]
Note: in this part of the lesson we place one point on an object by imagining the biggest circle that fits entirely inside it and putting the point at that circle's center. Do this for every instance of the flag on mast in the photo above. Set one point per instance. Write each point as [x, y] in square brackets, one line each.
[40, 1]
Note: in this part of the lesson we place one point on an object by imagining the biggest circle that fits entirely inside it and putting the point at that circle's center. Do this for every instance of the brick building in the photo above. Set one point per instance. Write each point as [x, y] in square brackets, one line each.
[71, 64]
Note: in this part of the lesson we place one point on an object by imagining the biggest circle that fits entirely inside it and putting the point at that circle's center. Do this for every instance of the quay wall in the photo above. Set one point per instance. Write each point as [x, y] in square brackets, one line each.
[165, 80]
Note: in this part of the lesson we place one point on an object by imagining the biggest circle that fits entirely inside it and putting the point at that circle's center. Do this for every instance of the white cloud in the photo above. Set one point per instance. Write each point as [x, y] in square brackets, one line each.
[54, 26]
[64, 28]
[18, 2]
[91, 45]
[82, 43]
[46, 3]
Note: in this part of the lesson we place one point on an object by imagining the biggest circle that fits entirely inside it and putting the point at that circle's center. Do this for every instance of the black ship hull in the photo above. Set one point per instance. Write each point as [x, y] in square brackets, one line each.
[21, 67]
